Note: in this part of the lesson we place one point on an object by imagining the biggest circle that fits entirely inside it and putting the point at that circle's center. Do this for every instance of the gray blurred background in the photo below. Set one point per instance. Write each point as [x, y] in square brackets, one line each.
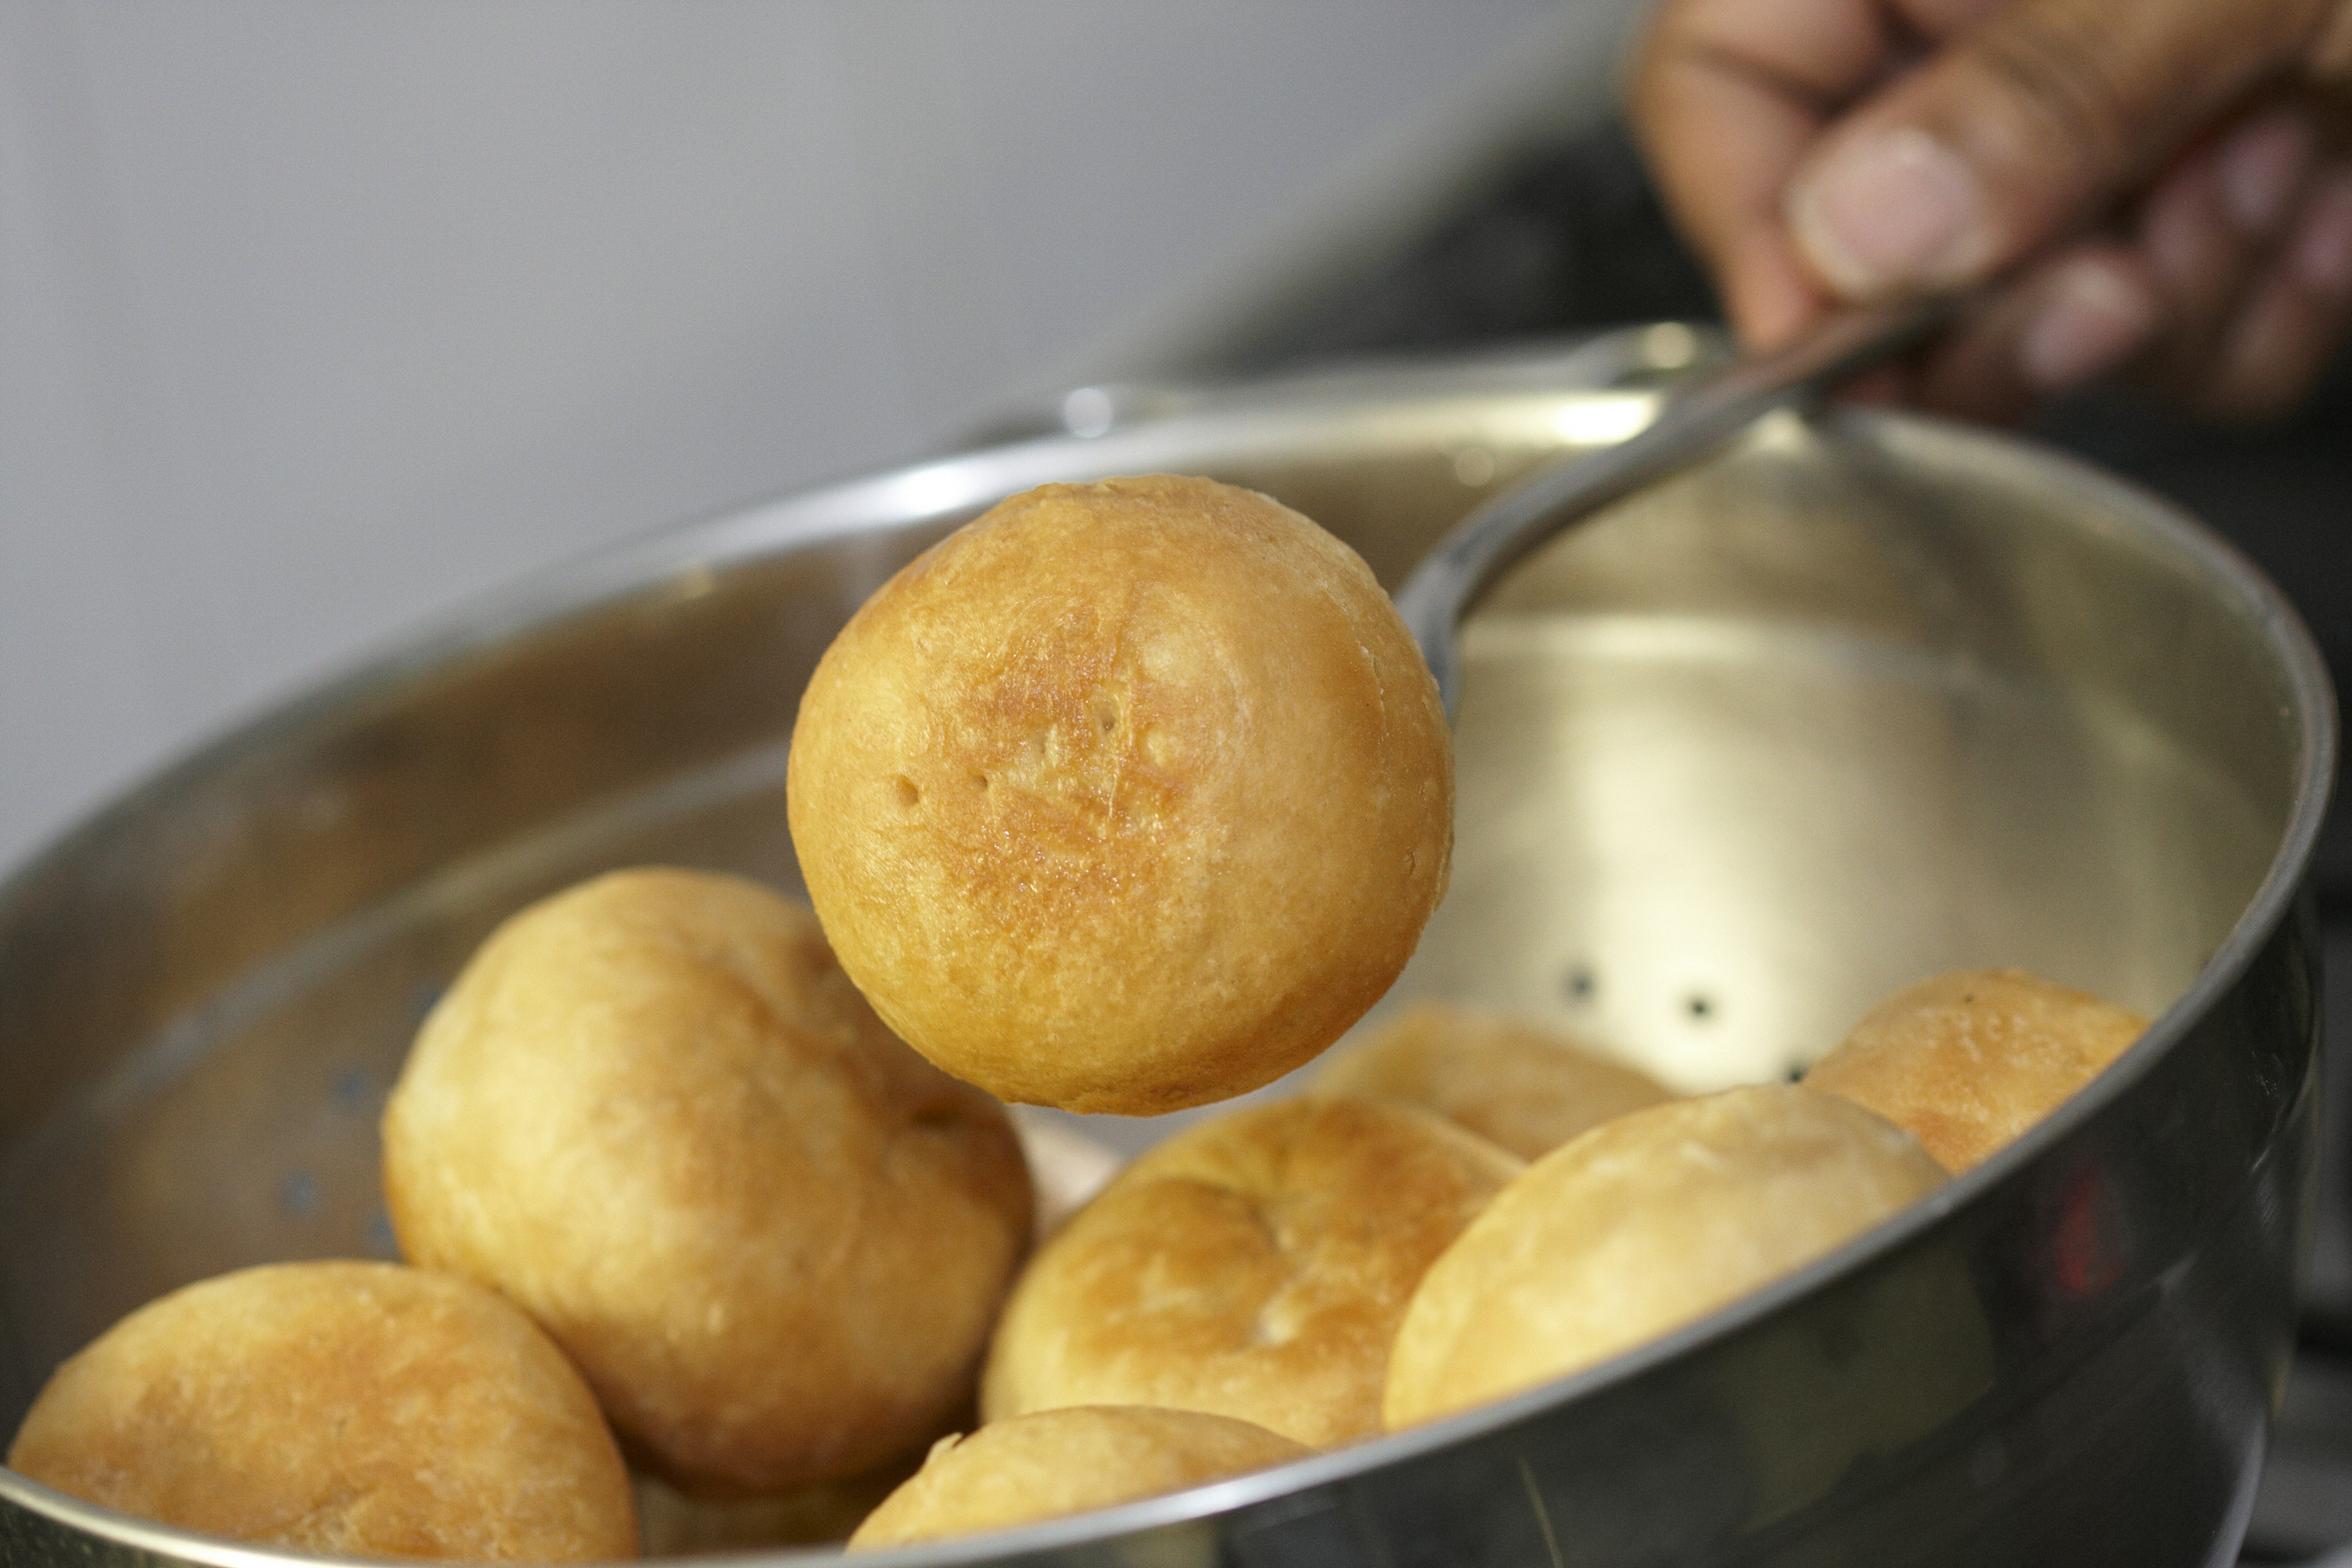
[317, 317]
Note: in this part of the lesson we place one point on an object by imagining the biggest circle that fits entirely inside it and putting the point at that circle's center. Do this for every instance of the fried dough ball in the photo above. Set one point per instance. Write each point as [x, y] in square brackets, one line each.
[1252, 1265]
[1056, 1462]
[357, 1408]
[653, 1112]
[1966, 1062]
[1639, 1227]
[1516, 1085]
[1125, 797]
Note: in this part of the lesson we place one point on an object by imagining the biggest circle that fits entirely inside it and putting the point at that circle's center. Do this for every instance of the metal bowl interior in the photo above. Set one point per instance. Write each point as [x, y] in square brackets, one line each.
[1860, 700]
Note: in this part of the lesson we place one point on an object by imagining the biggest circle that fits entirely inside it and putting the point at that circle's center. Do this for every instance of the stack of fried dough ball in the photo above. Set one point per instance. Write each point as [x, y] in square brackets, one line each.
[1254, 1265]
[1966, 1062]
[1525, 1089]
[1126, 796]
[1286, 1276]
[1056, 1462]
[653, 1112]
[358, 1408]
[1129, 797]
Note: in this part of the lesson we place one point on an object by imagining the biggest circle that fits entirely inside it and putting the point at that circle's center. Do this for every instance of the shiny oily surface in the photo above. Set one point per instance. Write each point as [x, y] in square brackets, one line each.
[1854, 704]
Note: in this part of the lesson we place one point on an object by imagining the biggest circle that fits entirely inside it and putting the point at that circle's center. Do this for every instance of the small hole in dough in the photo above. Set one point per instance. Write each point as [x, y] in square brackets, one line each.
[1106, 714]
[909, 796]
[978, 781]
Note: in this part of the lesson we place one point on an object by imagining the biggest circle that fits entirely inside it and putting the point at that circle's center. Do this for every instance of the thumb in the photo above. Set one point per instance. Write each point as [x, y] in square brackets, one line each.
[2022, 128]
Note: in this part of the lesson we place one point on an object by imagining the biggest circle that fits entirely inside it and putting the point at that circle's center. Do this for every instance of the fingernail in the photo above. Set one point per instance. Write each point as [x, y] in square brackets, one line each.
[1888, 209]
[2262, 167]
[2091, 324]
[2322, 256]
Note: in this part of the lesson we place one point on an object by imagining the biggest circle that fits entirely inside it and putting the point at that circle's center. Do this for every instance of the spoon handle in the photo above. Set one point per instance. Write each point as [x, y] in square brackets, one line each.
[1691, 426]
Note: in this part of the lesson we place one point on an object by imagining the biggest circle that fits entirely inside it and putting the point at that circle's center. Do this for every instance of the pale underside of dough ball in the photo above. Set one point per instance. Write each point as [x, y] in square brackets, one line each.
[1639, 1227]
[1254, 1265]
[1053, 1463]
[356, 1408]
[1521, 1087]
[654, 1112]
[673, 1522]
[1967, 1062]
[1126, 796]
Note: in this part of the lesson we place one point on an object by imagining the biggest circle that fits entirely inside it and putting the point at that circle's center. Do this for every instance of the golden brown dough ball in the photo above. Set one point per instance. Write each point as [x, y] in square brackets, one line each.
[1254, 1265]
[1965, 1062]
[357, 1408]
[653, 1112]
[1057, 1462]
[1640, 1226]
[1127, 797]
[1516, 1085]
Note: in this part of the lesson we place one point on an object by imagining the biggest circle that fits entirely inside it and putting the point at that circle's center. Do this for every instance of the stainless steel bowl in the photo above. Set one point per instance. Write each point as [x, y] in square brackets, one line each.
[1862, 699]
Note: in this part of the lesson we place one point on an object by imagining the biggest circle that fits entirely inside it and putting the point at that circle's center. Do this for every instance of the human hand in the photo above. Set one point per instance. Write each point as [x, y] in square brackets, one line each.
[2170, 167]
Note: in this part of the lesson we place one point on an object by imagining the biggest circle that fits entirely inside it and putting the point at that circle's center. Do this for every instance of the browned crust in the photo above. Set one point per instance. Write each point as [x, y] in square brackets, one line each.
[1255, 1266]
[1525, 1089]
[1966, 1062]
[358, 1408]
[654, 1112]
[1125, 797]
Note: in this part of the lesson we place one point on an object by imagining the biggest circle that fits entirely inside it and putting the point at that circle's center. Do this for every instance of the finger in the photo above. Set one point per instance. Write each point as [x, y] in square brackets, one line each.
[1724, 148]
[2321, 252]
[1768, 295]
[2023, 128]
[2294, 322]
[1888, 387]
[1939, 19]
[1724, 97]
[2069, 320]
[2261, 168]
[2205, 232]
[2200, 266]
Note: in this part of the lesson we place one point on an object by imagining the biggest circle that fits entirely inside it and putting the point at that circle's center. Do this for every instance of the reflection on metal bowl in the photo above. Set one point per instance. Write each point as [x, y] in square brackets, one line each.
[1861, 700]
